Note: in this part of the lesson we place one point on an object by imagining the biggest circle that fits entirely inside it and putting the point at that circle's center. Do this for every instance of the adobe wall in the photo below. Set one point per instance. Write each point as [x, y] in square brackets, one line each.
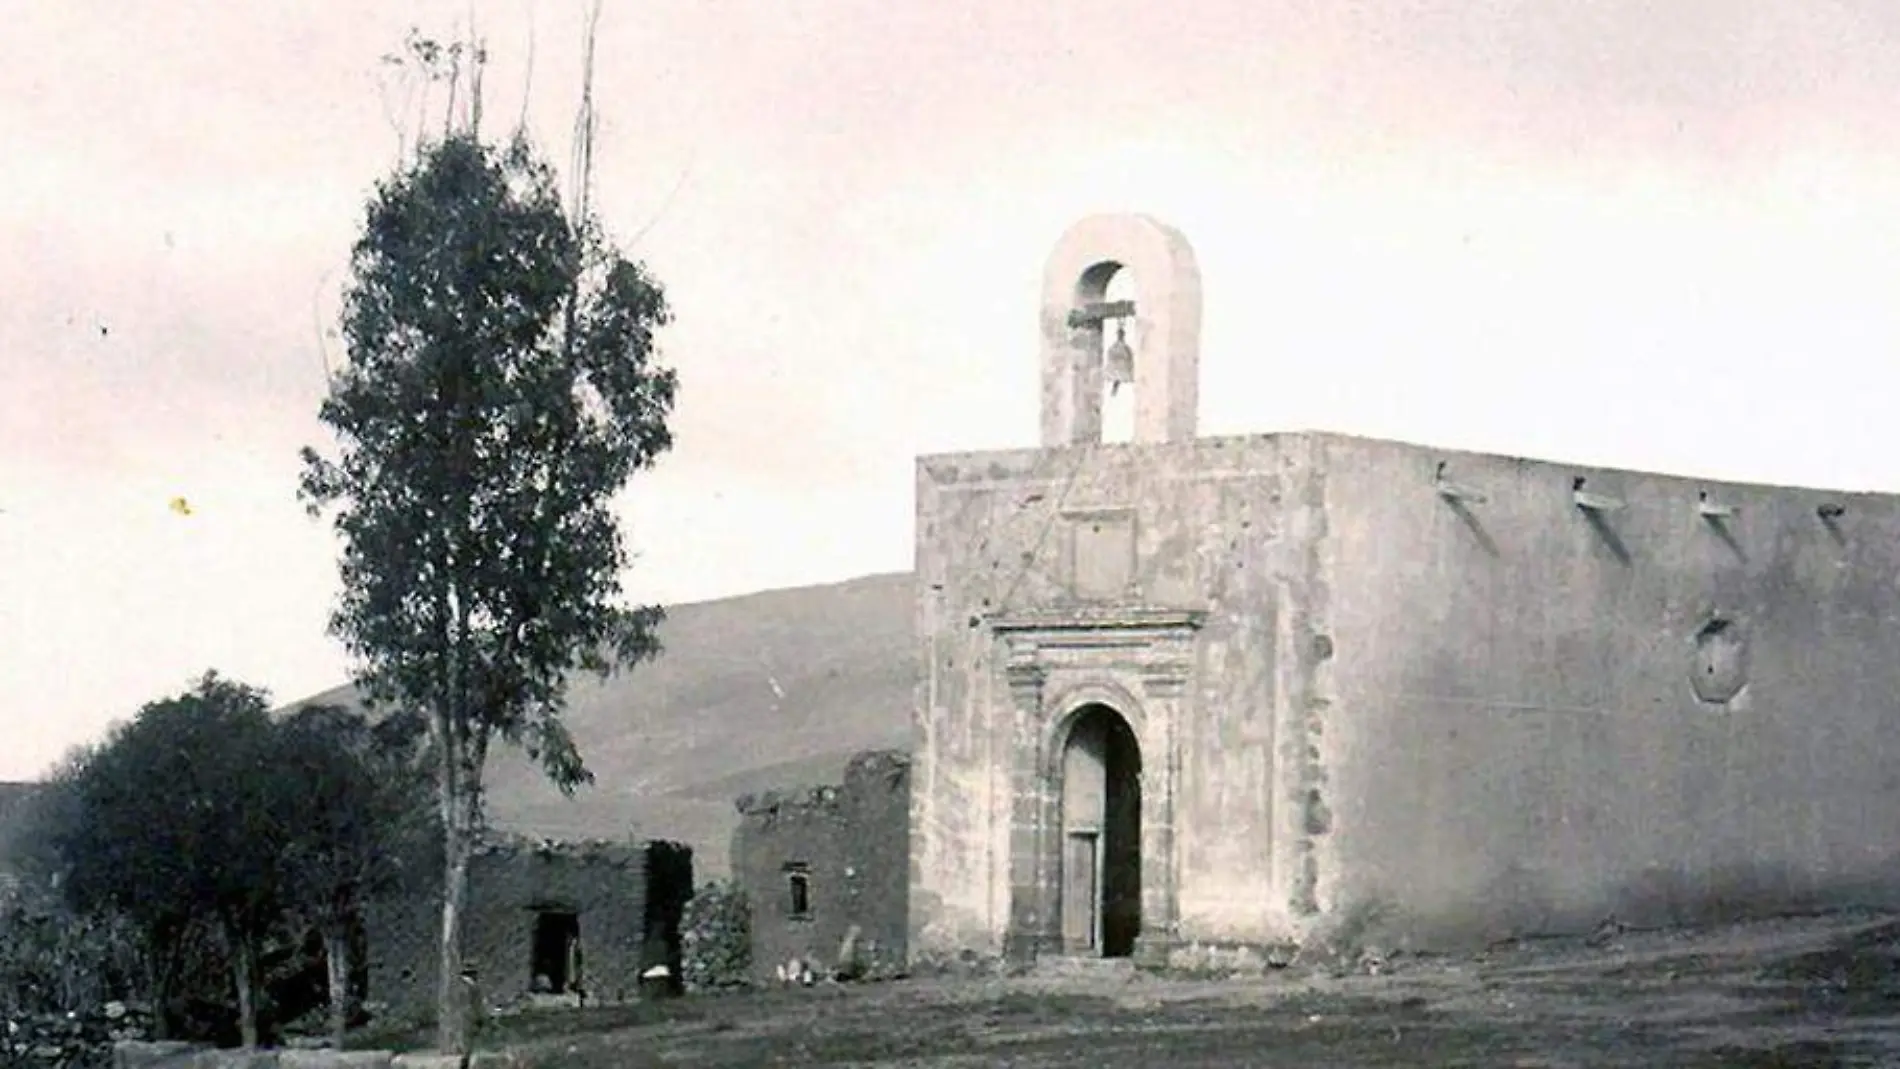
[628, 899]
[853, 841]
[1220, 526]
[1508, 736]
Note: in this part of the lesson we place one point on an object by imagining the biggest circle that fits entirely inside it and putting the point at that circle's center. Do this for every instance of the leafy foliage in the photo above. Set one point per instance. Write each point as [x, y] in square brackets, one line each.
[362, 810]
[205, 839]
[53, 960]
[500, 391]
[177, 818]
[363, 820]
[171, 809]
[61, 967]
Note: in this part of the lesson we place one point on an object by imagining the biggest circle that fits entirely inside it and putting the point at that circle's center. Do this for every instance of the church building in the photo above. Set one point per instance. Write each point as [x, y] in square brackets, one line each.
[1184, 696]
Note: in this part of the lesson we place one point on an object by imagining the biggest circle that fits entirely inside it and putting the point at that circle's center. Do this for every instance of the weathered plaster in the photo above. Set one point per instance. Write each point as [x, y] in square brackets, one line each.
[1521, 745]
[1479, 717]
[1473, 694]
[1210, 546]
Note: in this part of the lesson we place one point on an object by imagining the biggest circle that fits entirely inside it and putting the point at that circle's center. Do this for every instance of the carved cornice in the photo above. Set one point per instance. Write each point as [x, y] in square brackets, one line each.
[1098, 627]
[1156, 643]
[1168, 680]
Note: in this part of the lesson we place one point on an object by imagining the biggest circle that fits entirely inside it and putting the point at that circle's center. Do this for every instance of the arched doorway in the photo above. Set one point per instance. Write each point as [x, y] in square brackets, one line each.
[1101, 835]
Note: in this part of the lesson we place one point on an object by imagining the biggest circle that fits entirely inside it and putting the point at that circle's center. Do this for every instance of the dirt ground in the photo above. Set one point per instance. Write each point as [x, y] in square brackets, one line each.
[1796, 992]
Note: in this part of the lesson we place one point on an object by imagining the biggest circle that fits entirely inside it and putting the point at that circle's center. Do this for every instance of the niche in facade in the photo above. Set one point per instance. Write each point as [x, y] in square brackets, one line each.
[1719, 669]
[1101, 553]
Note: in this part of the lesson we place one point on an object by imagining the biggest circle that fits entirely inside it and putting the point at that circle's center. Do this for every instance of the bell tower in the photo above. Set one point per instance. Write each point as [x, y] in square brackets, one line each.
[1159, 358]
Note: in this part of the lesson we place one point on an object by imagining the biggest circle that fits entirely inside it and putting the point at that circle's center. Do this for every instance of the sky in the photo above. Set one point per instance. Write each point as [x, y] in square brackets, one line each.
[1628, 234]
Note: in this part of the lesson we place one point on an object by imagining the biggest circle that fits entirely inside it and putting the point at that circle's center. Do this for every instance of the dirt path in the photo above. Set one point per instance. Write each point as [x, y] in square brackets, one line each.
[1807, 992]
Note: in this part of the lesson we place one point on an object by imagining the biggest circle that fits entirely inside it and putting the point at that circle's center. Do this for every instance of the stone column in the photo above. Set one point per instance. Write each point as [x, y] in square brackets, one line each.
[1031, 921]
[1164, 691]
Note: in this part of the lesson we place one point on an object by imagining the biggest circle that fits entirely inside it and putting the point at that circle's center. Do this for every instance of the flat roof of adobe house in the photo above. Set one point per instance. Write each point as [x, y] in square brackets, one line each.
[1439, 452]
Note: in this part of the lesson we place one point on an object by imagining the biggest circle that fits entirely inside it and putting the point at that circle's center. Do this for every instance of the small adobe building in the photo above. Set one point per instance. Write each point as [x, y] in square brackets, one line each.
[559, 922]
[1185, 696]
[825, 870]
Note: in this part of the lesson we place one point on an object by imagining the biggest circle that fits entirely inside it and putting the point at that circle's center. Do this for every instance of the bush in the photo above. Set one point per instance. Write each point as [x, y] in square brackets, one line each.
[57, 973]
[53, 961]
[70, 979]
[64, 979]
[716, 939]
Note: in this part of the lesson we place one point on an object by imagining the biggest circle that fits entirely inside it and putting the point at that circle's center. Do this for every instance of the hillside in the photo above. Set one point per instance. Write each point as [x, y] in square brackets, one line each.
[774, 689]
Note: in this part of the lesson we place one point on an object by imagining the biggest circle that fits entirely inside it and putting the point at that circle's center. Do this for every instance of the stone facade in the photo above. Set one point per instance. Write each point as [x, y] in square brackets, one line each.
[566, 921]
[1470, 695]
[819, 864]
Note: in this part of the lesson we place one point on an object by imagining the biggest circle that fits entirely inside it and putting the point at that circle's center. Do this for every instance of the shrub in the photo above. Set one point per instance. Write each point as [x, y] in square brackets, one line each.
[716, 938]
[53, 961]
[57, 973]
[68, 979]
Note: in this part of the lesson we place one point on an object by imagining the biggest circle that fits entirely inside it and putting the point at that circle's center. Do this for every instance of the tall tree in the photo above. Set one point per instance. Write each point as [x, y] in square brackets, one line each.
[180, 820]
[501, 389]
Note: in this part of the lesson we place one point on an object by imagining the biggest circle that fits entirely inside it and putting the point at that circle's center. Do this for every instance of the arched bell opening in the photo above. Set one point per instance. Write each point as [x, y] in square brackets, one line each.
[1092, 318]
[1109, 335]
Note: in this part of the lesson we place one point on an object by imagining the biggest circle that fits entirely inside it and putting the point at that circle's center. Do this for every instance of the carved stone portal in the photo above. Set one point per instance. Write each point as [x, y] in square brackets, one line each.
[1123, 666]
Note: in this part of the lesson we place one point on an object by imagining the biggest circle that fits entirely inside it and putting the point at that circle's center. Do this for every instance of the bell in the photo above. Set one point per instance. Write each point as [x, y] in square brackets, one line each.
[1119, 364]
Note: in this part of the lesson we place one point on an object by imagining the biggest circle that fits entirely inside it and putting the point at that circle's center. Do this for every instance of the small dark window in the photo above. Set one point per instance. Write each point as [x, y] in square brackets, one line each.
[798, 889]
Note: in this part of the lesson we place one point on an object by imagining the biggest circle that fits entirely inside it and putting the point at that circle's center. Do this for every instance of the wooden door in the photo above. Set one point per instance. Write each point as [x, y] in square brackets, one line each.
[1081, 891]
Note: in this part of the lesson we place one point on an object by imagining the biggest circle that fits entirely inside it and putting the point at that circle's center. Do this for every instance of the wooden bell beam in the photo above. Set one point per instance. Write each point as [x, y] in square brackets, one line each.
[1096, 312]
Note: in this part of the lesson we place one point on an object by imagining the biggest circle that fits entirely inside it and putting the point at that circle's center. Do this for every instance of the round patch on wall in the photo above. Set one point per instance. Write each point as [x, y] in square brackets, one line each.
[1720, 666]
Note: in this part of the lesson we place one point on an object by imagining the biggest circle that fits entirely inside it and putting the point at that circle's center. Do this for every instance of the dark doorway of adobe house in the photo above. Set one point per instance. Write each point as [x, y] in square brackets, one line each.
[1101, 840]
[555, 956]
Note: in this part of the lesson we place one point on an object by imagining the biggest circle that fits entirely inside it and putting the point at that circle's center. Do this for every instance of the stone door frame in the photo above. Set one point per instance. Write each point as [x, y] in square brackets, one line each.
[1138, 662]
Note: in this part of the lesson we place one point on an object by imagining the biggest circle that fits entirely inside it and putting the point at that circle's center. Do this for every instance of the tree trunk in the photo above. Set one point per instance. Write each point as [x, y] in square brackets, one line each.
[336, 955]
[244, 971]
[161, 1011]
[162, 957]
[452, 1009]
